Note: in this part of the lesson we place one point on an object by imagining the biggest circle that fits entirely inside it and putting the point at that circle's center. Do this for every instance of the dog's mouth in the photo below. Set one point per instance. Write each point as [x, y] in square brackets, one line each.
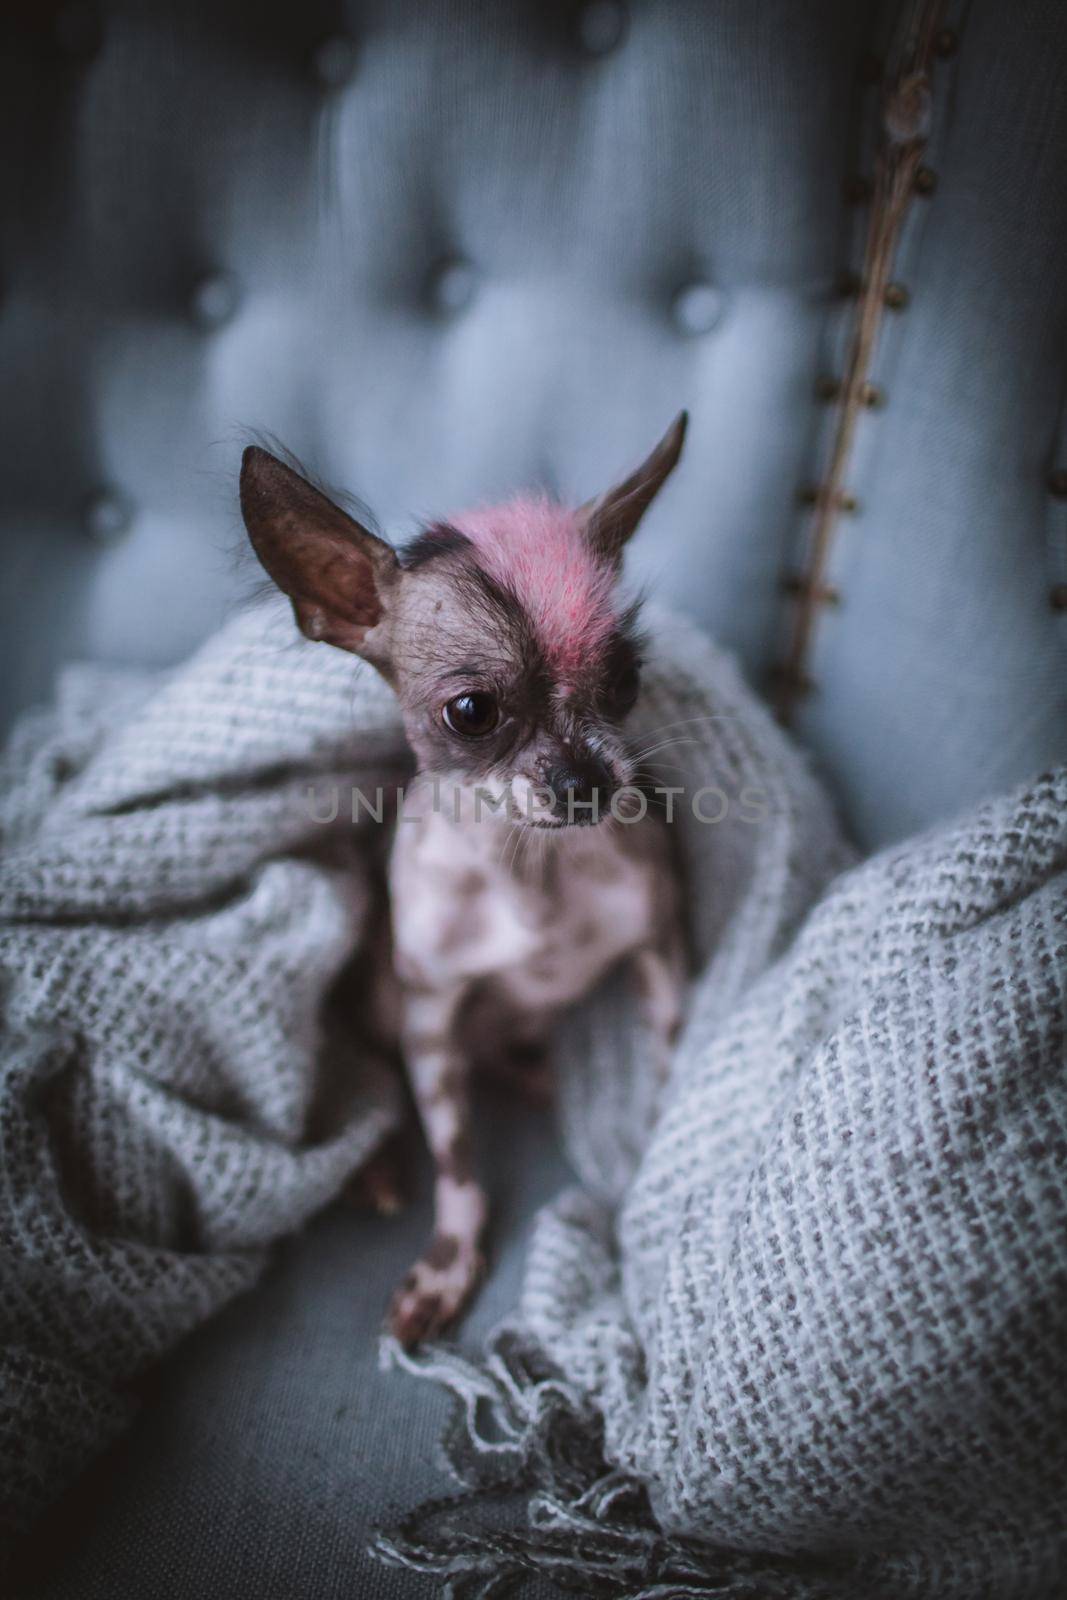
[540, 808]
[562, 824]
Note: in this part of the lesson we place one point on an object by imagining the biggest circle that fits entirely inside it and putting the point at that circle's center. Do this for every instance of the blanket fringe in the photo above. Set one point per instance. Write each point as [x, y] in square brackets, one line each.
[520, 1433]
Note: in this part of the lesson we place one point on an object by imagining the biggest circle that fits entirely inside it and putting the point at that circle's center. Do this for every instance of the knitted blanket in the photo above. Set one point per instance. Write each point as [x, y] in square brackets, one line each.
[816, 1345]
[174, 1094]
[811, 1305]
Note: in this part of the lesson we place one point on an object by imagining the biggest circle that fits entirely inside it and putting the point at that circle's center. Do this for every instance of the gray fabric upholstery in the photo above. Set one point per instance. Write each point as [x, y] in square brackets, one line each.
[443, 250]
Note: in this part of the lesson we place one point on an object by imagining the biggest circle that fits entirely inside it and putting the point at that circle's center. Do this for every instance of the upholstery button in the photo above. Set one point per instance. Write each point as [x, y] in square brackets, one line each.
[1057, 483]
[334, 61]
[697, 307]
[601, 25]
[896, 296]
[106, 515]
[452, 285]
[77, 29]
[925, 181]
[215, 299]
[827, 389]
[871, 395]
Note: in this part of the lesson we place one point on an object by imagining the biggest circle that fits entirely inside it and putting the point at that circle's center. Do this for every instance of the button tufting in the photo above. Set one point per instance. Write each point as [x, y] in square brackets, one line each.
[925, 181]
[696, 308]
[334, 61]
[896, 296]
[77, 29]
[601, 26]
[106, 515]
[215, 299]
[452, 285]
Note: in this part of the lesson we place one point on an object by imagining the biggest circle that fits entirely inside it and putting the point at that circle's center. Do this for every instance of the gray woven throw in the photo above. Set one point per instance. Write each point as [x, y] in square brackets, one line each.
[172, 1098]
[816, 1343]
[817, 1311]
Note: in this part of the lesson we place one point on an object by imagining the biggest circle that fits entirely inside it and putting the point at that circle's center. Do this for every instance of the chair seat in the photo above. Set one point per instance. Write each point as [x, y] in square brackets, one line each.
[273, 1446]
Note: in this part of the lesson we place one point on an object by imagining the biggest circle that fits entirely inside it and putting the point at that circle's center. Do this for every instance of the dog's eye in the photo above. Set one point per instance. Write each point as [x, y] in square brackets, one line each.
[472, 714]
[621, 692]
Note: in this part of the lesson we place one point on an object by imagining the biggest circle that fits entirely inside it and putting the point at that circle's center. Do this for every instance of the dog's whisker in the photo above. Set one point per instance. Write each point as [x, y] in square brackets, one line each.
[665, 744]
[684, 722]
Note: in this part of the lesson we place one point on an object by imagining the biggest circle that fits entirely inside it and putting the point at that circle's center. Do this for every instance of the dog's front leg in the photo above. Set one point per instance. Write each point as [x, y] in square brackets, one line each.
[442, 1280]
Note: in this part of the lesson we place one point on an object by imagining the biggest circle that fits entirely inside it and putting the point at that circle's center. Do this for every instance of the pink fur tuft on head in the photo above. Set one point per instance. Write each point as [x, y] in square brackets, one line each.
[536, 548]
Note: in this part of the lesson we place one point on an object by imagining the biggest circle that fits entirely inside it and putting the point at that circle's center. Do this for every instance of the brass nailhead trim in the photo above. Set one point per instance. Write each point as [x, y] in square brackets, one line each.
[896, 296]
[797, 584]
[1059, 597]
[870, 394]
[898, 176]
[799, 682]
[812, 494]
[1057, 483]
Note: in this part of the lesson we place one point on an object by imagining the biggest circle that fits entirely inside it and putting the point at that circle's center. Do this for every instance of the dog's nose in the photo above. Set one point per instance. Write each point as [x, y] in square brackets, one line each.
[582, 788]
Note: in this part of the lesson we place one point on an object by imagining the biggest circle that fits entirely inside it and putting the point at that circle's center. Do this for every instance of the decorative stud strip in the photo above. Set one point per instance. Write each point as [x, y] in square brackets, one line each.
[899, 175]
[1056, 489]
[796, 584]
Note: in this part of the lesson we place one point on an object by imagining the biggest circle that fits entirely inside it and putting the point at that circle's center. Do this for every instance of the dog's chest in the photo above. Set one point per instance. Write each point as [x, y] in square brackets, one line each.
[544, 927]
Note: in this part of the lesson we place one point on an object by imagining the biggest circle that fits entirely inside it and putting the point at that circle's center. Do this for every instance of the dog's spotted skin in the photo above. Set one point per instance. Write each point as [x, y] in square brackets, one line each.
[502, 916]
[526, 927]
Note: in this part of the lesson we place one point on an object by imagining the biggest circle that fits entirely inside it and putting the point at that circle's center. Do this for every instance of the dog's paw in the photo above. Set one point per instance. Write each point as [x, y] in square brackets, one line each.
[435, 1291]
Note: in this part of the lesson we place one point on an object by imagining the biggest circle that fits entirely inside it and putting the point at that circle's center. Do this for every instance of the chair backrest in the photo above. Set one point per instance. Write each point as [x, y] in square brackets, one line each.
[443, 251]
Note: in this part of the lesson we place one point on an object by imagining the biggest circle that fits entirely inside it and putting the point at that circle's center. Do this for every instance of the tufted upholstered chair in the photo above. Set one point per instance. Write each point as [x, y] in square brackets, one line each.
[444, 248]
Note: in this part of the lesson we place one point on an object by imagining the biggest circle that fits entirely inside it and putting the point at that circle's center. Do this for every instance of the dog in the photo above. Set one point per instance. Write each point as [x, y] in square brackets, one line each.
[525, 867]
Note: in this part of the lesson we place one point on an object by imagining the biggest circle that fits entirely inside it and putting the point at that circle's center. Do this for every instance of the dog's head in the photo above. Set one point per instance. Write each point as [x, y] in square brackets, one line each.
[501, 630]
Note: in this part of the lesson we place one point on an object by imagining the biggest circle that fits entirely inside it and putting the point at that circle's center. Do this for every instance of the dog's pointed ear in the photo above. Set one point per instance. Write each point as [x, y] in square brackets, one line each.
[611, 519]
[338, 575]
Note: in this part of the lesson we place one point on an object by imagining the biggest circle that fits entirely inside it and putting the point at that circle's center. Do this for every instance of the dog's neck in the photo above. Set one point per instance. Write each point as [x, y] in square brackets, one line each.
[469, 829]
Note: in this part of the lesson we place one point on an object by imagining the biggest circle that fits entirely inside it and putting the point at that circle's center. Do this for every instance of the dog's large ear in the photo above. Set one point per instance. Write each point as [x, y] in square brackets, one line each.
[611, 519]
[338, 575]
